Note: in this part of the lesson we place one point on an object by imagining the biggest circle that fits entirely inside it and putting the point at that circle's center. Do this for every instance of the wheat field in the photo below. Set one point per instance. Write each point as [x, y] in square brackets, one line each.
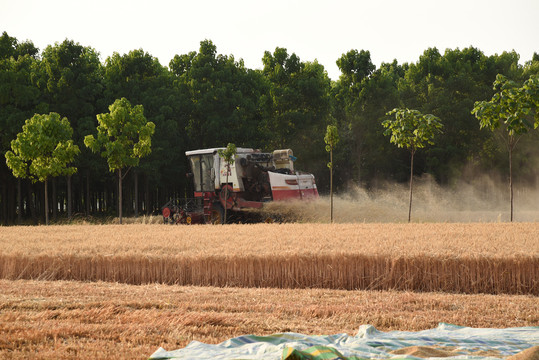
[133, 290]
[490, 258]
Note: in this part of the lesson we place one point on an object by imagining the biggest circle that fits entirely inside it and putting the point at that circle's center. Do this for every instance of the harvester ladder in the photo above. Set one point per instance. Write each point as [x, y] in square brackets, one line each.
[207, 208]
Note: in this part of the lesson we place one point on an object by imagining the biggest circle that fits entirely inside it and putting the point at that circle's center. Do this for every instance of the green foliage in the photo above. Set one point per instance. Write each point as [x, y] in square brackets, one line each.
[331, 139]
[355, 67]
[140, 77]
[228, 154]
[509, 107]
[447, 85]
[11, 48]
[362, 96]
[298, 104]
[19, 96]
[71, 81]
[530, 91]
[296, 107]
[412, 130]
[133, 76]
[123, 135]
[224, 98]
[205, 99]
[43, 149]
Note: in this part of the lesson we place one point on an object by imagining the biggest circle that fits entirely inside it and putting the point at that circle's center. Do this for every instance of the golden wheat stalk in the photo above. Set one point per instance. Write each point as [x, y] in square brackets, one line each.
[514, 275]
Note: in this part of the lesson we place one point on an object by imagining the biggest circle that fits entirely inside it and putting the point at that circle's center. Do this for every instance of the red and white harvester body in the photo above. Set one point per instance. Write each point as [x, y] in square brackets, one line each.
[254, 178]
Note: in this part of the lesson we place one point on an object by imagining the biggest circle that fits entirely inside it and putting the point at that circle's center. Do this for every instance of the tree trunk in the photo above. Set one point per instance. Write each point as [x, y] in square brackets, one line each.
[31, 202]
[411, 185]
[511, 145]
[226, 191]
[147, 194]
[54, 200]
[359, 170]
[46, 204]
[120, 194]
[3, 209]
[101, 201]
[19, 202]
[69, 200]
[108, 199]
[136, 193]
[331, 186]
[88, 192]
[128, 197]
[12, 202]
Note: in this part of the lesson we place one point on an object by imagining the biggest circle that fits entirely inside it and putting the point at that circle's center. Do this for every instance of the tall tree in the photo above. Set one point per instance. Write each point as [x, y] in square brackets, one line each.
[20, 99]
[140, 78]
[510, 108]
[72, 85]
[224, 97]
[123, 137]
[362, 97]
[10, 47]
[298, 97]
[43, 150]
[331, 139]
[412, 130]
[296, 107]
[448, 85]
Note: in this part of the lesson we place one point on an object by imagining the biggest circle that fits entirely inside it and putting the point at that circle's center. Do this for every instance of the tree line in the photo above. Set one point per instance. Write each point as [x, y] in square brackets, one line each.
[205, 99]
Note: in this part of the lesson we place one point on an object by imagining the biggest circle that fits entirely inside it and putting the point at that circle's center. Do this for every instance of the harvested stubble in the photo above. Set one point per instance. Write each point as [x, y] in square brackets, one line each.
[81, 320]
[467, 258]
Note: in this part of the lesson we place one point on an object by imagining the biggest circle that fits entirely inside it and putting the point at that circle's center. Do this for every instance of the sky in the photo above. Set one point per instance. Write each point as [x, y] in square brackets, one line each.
[313, 29]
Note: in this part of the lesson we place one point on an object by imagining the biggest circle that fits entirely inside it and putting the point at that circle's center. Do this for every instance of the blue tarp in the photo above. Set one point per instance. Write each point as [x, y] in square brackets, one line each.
[446, 340]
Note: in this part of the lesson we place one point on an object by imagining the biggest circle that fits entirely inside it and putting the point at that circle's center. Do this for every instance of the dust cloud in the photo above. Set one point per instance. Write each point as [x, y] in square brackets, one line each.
[484, 199]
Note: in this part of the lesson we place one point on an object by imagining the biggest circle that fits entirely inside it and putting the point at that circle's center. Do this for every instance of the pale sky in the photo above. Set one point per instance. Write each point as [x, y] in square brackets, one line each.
[313, 29]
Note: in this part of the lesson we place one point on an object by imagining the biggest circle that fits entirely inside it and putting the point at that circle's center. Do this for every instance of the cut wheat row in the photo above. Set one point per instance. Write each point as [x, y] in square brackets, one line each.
[512, 275]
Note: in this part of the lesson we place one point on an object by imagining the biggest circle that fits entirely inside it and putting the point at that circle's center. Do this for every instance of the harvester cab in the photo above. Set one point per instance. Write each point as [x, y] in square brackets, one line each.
[253, 179]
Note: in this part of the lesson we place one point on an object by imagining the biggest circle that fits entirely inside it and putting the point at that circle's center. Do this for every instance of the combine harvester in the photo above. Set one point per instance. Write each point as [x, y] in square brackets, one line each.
[254, 179]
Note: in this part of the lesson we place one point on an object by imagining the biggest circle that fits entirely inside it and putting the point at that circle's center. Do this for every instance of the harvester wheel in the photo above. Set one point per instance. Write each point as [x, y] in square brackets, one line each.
[217, 214]
[166, 215]
[229, 202]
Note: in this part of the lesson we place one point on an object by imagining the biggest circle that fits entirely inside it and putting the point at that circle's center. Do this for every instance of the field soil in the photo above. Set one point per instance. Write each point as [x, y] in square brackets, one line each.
[98, 320]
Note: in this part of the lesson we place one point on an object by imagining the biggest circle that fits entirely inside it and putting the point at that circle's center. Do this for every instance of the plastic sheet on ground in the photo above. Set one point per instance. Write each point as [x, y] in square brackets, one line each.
[448, 341]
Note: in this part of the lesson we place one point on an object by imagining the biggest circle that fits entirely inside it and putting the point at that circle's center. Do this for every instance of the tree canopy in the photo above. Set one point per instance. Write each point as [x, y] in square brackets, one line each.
[43, 149]
[511, 107]
[204, 99]
[124, 136]
[331, 139]
[412, 130]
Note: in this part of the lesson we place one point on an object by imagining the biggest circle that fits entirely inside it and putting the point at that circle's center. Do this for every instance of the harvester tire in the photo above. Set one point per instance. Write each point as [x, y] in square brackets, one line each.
[217, 214]
[229, 201]
[166, 215]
